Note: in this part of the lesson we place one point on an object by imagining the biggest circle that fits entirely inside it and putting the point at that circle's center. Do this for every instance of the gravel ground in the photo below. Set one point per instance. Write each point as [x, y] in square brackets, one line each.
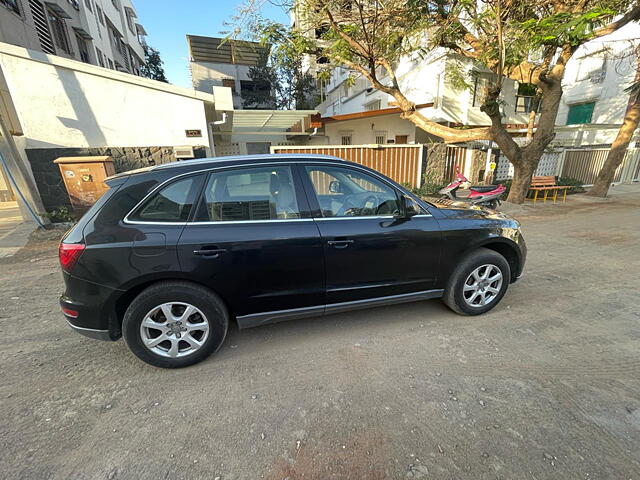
[547, 385]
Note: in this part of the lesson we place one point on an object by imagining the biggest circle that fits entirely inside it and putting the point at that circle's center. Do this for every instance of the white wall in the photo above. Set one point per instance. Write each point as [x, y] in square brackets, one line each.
[64, 103]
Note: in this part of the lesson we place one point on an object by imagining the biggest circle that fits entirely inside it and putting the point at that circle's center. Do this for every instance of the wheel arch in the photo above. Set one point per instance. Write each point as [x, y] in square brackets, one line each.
[122, 302]
[508, 249]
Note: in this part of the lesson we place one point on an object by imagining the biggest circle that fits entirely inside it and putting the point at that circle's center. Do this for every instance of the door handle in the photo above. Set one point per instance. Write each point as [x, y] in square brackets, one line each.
[340, 243]
[209, 252]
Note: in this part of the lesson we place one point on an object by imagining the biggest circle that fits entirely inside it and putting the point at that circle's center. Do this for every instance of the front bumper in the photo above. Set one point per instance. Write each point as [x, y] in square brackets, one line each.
[522, 245]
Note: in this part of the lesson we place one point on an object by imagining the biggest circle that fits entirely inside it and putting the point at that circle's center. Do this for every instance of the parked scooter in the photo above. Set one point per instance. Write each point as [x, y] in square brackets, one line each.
[485, 195]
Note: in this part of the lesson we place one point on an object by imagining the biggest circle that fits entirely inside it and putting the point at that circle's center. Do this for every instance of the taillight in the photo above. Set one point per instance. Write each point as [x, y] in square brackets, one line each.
[70, 313]
[69, 253]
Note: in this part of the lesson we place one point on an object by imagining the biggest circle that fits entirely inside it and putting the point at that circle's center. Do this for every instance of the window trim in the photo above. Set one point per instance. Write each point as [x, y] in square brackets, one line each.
[310, 208]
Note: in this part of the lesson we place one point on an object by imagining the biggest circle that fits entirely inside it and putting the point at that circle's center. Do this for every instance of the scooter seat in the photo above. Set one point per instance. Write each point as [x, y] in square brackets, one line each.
[484, 188]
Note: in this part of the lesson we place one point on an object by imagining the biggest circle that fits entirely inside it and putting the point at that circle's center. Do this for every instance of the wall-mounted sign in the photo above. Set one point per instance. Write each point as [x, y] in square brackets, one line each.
[193, 133]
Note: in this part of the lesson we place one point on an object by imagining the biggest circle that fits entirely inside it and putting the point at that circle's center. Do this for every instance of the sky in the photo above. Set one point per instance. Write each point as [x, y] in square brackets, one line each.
[167, 23]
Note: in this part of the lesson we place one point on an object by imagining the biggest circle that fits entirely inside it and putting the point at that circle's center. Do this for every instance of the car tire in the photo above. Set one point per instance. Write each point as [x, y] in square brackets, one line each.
[184, 323]
[466, 280]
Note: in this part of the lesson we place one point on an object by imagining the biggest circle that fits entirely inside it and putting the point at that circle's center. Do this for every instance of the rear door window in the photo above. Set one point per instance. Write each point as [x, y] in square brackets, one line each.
[250, 194]
[172, 203]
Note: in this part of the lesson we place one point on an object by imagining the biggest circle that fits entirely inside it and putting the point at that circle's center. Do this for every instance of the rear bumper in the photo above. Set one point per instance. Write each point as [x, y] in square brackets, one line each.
[91, 333]
[93, 308]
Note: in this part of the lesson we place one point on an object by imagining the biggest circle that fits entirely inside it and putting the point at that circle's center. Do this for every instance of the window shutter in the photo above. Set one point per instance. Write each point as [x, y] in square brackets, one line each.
[581, 113]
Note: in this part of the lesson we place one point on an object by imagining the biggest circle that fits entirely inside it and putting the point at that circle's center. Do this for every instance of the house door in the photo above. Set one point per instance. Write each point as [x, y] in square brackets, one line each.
[402, 139]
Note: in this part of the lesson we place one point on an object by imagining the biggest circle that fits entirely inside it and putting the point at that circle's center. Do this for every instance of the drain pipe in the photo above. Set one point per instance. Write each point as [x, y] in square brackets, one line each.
[221, 122]
[210, 125]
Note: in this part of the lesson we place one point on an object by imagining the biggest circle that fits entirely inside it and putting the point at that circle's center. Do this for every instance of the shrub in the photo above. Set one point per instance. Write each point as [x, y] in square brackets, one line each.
[576, 185]
[61, 215]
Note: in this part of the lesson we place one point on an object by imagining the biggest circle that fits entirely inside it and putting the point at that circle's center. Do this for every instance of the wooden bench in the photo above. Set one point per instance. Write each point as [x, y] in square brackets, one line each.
[546, 185]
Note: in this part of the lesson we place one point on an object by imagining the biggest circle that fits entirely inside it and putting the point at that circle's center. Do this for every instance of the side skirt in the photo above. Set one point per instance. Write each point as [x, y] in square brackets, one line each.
[257, 319]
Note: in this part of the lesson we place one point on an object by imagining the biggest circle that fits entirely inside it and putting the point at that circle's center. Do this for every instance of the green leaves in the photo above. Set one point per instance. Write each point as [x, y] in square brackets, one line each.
[564, 28]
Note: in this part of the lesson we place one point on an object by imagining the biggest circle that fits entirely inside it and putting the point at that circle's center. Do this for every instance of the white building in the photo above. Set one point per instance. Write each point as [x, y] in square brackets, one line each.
[594, 102]
[244, 125]
[592, 107]
[219, 62]
[425, 82]
[100, 32]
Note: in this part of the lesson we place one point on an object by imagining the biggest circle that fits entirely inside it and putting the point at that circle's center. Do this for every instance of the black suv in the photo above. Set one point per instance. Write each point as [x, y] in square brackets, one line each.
[170, 253]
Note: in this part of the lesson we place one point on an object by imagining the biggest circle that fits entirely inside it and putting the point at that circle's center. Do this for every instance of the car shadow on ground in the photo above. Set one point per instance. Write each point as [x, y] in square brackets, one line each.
[356, 325]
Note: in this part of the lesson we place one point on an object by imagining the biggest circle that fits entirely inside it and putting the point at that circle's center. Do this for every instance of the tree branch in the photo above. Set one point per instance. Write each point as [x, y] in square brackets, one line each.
[630, 16]
[352, 43]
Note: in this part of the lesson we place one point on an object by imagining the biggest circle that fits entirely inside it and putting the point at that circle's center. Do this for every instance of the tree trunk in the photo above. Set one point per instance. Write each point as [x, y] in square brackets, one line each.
[525, 159]
[521, 182]
[617, 153]
[619, 147]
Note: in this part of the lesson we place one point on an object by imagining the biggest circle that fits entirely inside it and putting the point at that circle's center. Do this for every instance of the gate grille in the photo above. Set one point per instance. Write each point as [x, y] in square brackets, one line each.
[455, 162]
[586, 164]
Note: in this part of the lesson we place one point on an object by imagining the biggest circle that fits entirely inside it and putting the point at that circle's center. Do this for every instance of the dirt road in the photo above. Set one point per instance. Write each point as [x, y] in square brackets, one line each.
[547, 386]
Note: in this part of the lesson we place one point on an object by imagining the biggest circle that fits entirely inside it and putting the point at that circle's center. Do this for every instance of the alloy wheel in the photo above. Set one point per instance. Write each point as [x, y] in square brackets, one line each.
[174, 329]
[482, 286]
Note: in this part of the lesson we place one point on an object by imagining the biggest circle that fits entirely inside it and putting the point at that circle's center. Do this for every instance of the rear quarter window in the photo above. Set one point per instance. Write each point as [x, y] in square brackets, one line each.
[171, 203]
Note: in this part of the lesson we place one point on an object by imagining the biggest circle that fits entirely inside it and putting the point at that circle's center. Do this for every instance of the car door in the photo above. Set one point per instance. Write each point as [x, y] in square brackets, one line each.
[253, 241]
[370, 251]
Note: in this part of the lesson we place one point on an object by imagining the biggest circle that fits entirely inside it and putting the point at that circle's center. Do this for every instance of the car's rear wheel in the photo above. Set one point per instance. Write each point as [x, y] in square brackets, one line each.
[175, 324]
[478, 283]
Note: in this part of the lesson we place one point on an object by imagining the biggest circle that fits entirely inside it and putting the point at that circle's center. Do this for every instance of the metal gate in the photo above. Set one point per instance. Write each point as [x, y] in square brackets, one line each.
[585, 165]
[455, 162]
[402, 163]
[631, 166]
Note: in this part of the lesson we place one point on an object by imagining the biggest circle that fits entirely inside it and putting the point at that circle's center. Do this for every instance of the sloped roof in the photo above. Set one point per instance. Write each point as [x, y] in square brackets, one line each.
[222, 50]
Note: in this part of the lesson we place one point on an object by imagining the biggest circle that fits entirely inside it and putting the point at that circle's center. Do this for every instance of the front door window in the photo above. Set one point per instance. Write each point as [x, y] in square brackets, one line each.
[344, 192]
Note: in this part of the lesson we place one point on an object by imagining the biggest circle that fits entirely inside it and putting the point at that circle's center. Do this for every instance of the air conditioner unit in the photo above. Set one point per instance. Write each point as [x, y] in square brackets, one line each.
[183, 152]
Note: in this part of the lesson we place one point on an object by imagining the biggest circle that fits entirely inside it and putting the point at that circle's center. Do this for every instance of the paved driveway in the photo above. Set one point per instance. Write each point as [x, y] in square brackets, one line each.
[545, 386]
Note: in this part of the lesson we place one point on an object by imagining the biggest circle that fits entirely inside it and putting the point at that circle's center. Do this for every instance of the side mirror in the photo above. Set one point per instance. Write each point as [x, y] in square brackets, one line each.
[409, 207]
[335, 186]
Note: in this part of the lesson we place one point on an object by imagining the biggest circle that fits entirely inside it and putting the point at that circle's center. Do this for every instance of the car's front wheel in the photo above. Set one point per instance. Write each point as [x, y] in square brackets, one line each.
[478, 283]
[175, 324]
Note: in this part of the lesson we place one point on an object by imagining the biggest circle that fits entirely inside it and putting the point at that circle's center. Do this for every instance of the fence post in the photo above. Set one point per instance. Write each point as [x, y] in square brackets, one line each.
[419, 167]
[560, 164]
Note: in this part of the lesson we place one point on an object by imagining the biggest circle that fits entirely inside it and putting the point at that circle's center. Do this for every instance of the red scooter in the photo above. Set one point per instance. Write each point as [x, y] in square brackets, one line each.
[485, 195]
